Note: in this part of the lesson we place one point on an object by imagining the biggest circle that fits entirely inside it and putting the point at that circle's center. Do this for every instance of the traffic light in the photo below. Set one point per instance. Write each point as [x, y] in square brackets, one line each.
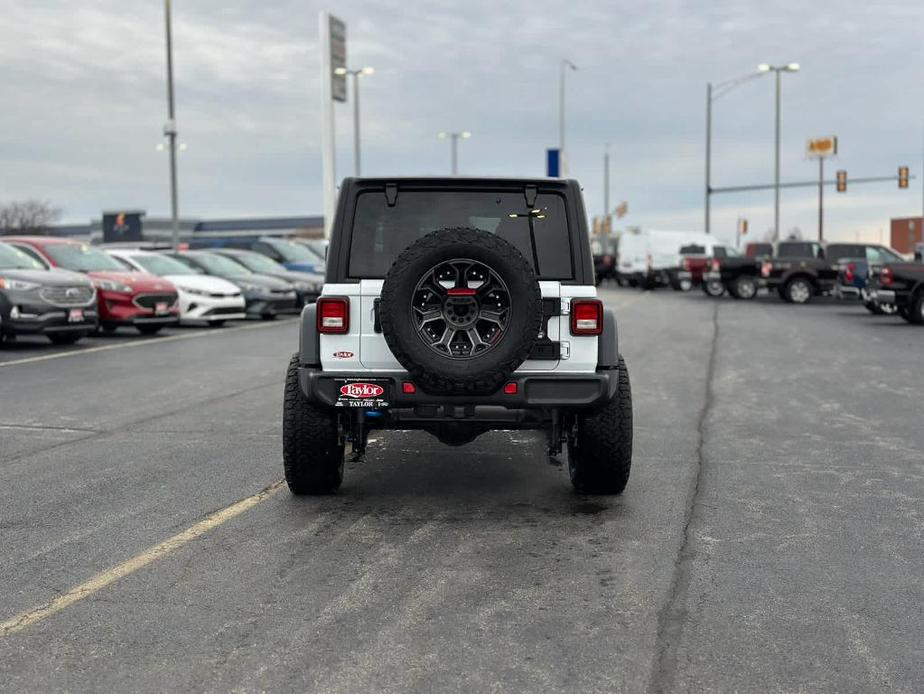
[744, 227]
[597, 225]
[902, 176]
[841, 181]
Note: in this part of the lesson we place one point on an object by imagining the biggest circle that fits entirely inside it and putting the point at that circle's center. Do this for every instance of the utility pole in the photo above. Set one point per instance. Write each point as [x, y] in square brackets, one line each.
[606, 181]
[170, 130]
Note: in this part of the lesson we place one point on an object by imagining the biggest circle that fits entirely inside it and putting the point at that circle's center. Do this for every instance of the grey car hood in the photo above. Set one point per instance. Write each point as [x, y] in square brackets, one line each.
[48, 278]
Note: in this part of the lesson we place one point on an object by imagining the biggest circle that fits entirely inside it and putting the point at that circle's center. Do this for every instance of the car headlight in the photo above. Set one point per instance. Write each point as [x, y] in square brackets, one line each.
[21, 285]
[112, 286]
[194, 292]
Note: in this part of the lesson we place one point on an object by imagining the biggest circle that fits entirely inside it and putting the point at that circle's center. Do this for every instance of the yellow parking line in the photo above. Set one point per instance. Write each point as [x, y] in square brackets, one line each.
[139, 343]
[100, 581]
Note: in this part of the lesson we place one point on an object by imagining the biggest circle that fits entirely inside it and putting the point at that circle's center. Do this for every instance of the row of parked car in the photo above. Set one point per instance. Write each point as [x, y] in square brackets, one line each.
[879, 277]
[66, 290]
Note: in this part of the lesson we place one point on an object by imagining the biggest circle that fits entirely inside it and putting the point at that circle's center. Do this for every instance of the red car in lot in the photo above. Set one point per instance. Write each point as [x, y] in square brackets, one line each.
[126, 298]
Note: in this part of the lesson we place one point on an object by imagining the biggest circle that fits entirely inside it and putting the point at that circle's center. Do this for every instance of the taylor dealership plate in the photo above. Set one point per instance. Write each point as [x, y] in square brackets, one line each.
[362, 392]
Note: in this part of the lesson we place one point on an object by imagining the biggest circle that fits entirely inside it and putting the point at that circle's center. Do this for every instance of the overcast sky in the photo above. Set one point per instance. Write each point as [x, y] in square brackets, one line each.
[83, 101]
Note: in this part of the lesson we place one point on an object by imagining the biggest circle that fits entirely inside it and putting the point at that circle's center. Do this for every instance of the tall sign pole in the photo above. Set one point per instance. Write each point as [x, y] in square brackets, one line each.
[170, 130]
[333, 88]
[820, 148]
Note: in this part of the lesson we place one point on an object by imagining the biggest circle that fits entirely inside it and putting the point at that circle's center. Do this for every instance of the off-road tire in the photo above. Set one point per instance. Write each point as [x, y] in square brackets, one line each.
[64, 338]
[312, 451]
[790, 286]
[739, 288]
[480, 374]
[600, 453]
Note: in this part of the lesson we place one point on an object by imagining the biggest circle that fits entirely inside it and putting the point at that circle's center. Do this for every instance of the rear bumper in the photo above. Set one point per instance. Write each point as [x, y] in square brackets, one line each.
[843, 291]
[888, 296]
[533, 391]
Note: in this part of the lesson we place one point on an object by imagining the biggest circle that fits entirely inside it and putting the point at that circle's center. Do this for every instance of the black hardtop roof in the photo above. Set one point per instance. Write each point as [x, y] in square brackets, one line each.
[461, 181]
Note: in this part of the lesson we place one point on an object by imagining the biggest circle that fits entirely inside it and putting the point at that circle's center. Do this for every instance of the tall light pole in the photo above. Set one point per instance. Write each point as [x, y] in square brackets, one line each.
[779, 70]
[355, 74]
[713, 92]
[606, 182]
[170, 130]
[454, 146]
[565, 64]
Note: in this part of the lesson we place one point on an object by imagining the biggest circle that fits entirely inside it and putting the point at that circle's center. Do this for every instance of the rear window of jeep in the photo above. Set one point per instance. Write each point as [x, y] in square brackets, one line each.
[381, 232]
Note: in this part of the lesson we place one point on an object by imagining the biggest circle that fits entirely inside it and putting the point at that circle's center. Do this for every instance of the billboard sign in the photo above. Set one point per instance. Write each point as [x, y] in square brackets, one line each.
[337, 59]
[122, 226]
[819, 147]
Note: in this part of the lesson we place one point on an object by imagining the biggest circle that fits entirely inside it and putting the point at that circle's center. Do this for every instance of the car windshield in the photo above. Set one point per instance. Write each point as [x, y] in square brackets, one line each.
[316, 246]
[381, 232]
[293, 252]
[12, 258]
[258, 263]
[215, 264]
[82, 258]
[162, 265]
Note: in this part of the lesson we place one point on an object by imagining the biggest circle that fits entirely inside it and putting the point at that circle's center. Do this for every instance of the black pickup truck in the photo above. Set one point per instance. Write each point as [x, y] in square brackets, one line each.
[801, 270]
[900, 284]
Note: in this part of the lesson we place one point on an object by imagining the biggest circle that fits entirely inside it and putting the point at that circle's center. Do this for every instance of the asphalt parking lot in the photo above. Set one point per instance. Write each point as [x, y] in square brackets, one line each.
[770, 538]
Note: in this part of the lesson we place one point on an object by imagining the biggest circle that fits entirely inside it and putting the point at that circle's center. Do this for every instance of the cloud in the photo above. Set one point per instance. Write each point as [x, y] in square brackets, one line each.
[84, 100]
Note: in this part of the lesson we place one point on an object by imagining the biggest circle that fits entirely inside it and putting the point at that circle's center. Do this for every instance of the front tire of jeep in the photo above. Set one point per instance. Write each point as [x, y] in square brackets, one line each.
[312, 452]
[600, 452]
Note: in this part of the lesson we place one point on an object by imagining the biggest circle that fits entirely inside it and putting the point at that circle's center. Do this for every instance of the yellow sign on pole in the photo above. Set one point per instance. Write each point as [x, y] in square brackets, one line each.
[819, 147]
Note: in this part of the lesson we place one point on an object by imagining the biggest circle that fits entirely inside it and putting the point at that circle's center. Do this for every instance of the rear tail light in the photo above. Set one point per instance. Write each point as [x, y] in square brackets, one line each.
[850, 272]
[886, 277]
[765, 268]
[586, 317]
[333, 315]
[510, 388]
[686, 264]
[716, 265]
[408, 388]
[607, 260]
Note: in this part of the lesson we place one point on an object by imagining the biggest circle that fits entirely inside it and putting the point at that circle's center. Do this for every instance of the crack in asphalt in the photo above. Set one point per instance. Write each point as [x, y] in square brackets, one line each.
[673, 613]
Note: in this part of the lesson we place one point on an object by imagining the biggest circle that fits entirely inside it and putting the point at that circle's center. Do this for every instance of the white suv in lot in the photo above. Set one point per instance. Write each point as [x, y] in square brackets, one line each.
[458, 306]
[202, 298]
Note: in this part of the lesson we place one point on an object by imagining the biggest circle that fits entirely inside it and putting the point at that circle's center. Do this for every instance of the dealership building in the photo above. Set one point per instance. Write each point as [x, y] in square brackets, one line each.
[134, 225]
[906, 233]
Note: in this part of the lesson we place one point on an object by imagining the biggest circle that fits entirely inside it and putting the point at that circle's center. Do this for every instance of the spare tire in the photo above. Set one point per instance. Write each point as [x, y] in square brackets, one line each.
[460, 310]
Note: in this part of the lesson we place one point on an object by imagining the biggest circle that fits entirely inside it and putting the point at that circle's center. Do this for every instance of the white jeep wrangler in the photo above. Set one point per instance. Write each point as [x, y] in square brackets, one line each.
[458, 306]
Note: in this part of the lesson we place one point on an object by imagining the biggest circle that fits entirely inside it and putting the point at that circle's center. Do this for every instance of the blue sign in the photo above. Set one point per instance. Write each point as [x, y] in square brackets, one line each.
[552, 163]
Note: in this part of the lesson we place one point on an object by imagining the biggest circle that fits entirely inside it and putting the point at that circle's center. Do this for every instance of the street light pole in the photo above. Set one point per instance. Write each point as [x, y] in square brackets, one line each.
[708, 152]
[565, 63]
[779, 70]
[454, 147]
[355, 74]
[170, 130]
[606, 182]
[776, 164]
[713, 92]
